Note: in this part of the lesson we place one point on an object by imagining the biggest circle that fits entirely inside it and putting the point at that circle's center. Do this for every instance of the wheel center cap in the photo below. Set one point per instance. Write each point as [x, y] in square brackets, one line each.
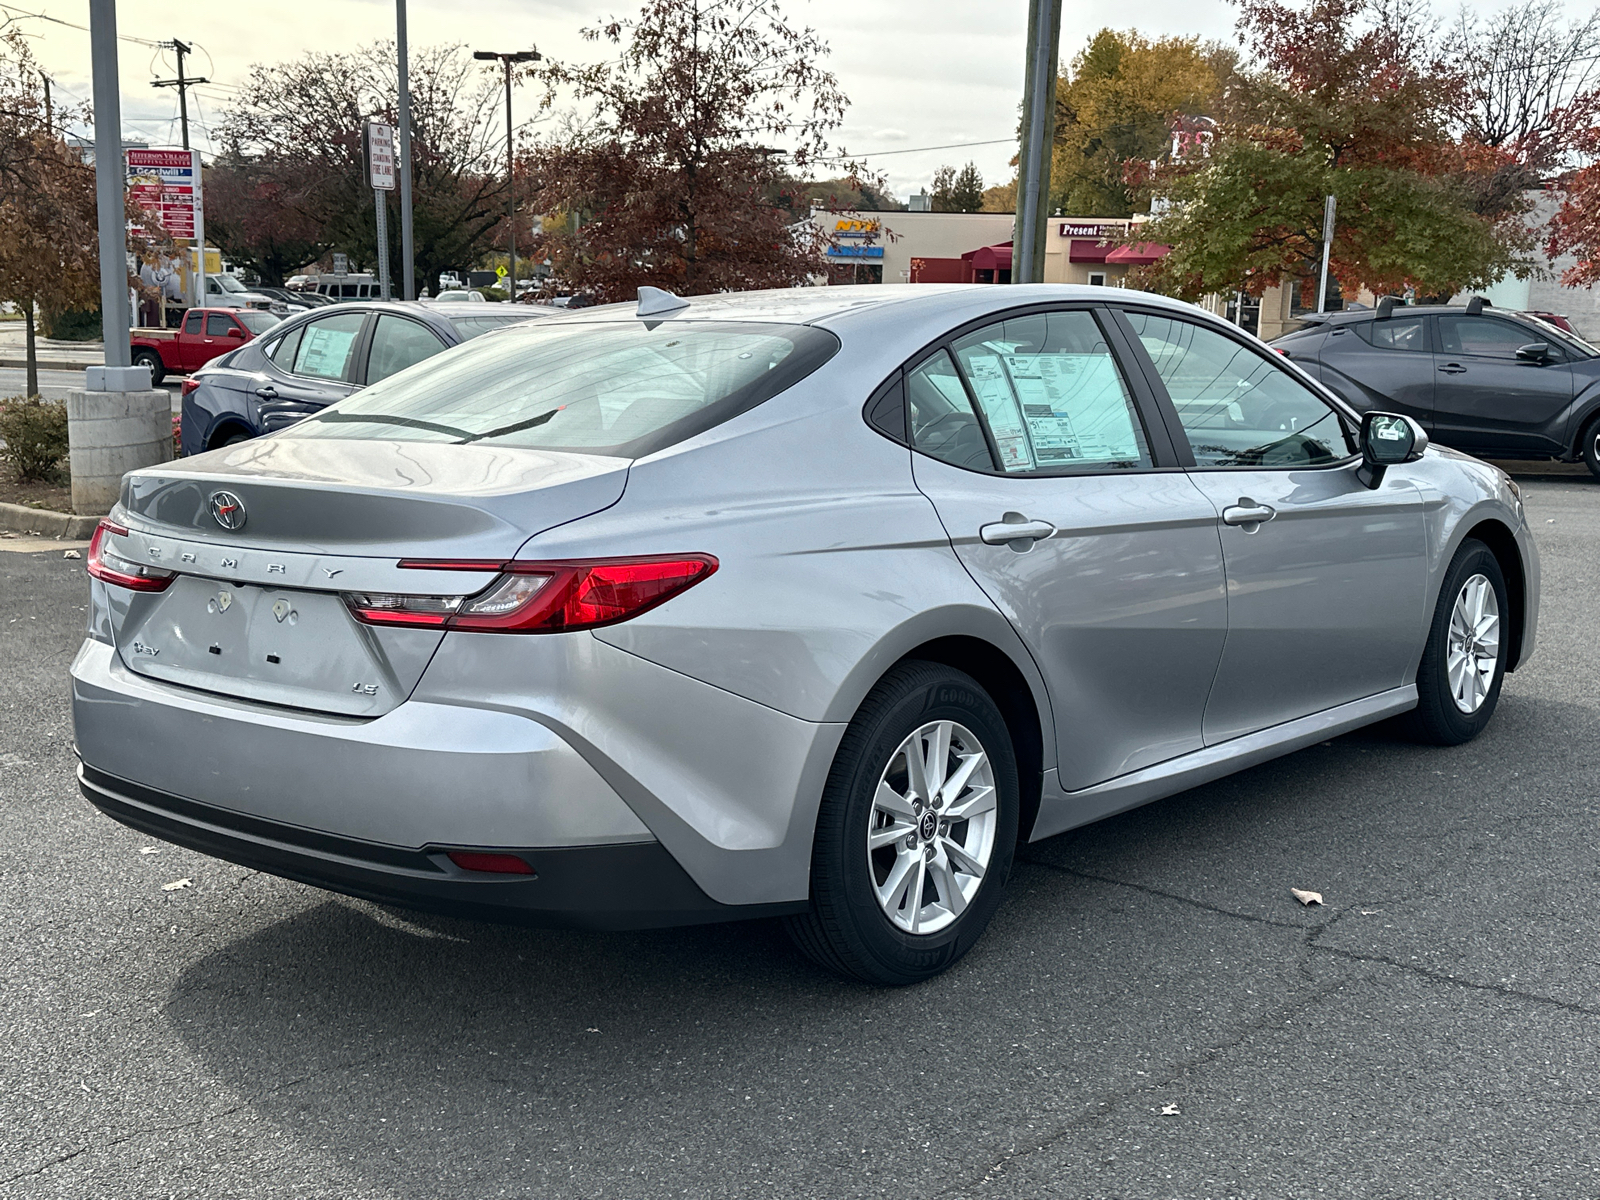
[928, 825]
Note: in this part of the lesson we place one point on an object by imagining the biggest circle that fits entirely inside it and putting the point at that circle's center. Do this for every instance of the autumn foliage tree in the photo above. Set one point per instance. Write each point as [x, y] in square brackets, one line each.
[667, 173]
[1117, 103]
[49, 236]
[291, 171]
[1350, 98]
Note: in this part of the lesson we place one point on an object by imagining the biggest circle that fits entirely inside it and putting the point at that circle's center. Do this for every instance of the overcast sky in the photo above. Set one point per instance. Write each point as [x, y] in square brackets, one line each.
[918, 73]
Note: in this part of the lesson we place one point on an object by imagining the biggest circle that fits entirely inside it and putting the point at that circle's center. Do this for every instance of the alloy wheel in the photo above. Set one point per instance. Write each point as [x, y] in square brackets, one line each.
[1474, 644]
[932, 829]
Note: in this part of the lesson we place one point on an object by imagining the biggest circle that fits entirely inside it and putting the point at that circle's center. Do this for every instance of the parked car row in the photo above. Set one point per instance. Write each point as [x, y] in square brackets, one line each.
[1492, 382]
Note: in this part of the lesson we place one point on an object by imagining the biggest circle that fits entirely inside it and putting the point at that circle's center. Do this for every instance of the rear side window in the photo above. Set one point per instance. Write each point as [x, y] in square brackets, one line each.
[283, 350]
[1397, 333]
[326, 346]
[1052, 394]
[191, 321]
[619, 388]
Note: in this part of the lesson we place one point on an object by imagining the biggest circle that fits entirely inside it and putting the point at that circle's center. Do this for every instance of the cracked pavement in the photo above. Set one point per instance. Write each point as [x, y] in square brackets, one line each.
[1433, 1031]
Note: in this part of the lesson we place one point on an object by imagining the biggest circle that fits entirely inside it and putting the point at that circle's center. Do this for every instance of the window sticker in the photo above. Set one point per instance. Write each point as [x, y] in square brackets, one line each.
[991, 383]
[1074, 408]
[324, 351]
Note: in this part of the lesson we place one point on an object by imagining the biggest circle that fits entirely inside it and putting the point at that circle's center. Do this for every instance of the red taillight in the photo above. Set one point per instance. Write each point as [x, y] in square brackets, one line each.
[108, 566]
[189, 385]
[498, 864]
[541, 597]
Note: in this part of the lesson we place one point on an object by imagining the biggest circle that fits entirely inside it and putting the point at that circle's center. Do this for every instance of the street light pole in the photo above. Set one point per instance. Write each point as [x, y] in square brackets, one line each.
[408, 258]
[1038, 136]
[108, 193]
[516, 56]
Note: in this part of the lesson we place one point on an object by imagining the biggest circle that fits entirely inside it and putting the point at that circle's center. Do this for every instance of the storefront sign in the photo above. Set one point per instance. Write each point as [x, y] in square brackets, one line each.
[855, 251]
[166, 183]
[1093, 229]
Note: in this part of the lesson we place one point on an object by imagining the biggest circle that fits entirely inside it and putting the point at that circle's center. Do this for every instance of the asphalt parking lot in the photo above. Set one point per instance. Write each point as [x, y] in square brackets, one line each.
[1151, 1014]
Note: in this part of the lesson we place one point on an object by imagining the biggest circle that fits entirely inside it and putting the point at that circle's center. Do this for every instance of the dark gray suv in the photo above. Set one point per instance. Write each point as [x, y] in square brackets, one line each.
[1492, 382]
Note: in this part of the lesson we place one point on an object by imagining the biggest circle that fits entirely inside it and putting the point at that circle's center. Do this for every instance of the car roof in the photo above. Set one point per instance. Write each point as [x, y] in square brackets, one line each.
[833, 307]
[1356, 316]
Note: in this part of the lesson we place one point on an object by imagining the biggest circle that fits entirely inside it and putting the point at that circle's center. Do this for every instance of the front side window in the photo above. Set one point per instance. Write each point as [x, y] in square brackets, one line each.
[398, 343]
[620, 387]
[1484, 336]
[218, 324]
[1237, 408]
[1052, 394]
[326, 346]
[1397, 333]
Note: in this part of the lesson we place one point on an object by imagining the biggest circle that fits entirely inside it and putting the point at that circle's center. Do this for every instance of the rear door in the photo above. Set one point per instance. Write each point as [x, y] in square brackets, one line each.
[1489, 401]
[1067, 507]
[191, 341]
[1326, 577]
[313, 365]
[1386, 365]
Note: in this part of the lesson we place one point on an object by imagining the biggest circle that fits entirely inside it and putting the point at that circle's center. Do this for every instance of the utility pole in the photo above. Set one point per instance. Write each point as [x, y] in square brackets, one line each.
[183, 84]
[1329, 206]
[516, 56]
[1038, 137]
[408, 258]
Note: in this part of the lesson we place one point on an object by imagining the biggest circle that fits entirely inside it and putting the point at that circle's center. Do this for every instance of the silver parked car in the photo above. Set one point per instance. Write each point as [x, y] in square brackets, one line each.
[804, 603]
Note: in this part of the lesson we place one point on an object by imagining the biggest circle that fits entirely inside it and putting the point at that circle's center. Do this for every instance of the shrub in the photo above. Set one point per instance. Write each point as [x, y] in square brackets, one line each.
[491, 293]
[177, 436]
[35, 433]
[73, 325]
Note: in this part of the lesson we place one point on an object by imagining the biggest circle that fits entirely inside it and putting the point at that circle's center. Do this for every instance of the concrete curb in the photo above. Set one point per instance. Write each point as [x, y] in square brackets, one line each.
[46, 364]
[22, 519]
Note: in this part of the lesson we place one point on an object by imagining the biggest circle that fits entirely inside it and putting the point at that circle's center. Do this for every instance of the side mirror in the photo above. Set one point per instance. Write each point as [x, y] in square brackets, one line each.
[1534, 352]
[1386, 440]
[236, 332]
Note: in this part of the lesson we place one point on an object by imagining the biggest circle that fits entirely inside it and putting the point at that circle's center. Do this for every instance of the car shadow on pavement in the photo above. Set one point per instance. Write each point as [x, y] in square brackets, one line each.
[408, 1050]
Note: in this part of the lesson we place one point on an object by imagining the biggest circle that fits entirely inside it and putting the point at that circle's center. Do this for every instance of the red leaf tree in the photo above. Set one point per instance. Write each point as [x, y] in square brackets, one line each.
[671, 175]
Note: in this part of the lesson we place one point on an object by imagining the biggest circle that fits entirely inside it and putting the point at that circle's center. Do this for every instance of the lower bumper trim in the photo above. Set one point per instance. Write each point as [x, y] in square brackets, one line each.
[634, 885]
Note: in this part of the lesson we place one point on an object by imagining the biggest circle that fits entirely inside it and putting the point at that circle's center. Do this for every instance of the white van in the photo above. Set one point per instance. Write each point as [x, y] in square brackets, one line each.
[347, 287]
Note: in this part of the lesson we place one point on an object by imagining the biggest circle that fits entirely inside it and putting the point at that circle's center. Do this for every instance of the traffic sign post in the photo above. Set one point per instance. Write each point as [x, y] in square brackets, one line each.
[378, 143]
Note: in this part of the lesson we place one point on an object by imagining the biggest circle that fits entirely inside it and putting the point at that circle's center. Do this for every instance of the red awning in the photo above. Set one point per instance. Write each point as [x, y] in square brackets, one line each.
[1138, 254]
[1087, 250]
[990, 258]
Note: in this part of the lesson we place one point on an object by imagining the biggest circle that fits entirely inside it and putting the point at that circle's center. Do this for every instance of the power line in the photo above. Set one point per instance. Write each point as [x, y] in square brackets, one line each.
[124, 37]
[914, 150]
[182, 84]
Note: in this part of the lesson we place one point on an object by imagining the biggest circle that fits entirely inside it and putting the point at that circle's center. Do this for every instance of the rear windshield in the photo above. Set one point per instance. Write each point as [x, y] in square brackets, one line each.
[479, 323]
[625, 389]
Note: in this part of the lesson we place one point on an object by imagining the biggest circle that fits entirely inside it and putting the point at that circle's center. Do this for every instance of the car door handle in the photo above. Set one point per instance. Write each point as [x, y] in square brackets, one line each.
[1453, 369]
[268, 392]
[1247, 512]
[1014, 527]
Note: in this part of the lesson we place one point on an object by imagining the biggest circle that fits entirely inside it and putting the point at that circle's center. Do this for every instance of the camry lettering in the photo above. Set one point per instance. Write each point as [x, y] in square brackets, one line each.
[187, 557]
[275, 568]
[230, 562]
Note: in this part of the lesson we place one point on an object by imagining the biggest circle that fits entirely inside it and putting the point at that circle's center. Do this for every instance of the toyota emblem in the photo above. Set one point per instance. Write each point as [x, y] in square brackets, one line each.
[228, 510]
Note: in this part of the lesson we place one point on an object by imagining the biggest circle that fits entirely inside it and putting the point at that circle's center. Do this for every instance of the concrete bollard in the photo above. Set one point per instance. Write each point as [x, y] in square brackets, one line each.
[110, 434]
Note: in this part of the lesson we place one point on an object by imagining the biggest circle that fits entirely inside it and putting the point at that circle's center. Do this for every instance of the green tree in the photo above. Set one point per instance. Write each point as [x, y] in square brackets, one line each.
[956, 191]
[1346, 98]
[1117, 102]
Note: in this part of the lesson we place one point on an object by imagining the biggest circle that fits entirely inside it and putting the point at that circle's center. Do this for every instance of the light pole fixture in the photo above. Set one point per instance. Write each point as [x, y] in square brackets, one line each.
[515, 56]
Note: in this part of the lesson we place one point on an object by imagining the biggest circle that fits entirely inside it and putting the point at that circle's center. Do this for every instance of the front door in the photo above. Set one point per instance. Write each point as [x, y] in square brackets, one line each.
[1489, 401]
[1105, 559]
[1326, 577]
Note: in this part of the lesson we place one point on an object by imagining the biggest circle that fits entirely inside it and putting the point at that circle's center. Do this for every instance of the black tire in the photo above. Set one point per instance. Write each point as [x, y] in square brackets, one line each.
[1590, 446]
[231, 437]
[1437, 718]
[149, 358]
[847, 930]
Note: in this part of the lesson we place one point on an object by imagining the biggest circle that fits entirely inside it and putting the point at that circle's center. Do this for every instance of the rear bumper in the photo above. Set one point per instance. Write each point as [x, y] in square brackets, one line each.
[629, 886]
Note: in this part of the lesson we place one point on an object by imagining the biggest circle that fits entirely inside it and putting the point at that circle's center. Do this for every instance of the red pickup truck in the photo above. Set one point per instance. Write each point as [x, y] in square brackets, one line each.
[205, 334]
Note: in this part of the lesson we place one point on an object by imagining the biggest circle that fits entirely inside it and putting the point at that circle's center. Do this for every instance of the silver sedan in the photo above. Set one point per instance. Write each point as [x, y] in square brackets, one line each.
[806, 604]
